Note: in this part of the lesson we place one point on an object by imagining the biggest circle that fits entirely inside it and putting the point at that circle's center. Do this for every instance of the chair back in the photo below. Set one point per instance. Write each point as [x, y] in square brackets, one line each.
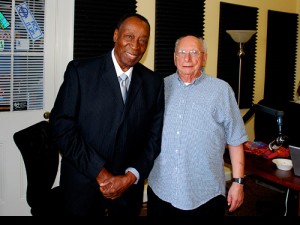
[41, 160]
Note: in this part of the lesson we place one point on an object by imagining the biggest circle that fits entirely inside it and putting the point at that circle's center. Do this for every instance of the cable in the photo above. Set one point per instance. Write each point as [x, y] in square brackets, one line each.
[286, 201]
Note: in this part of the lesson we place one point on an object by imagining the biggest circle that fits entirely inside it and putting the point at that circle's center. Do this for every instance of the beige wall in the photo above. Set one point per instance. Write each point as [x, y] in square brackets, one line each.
[211, 30]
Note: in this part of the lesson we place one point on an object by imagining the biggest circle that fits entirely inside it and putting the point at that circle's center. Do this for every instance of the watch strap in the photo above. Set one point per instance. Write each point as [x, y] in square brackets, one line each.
[239, 180]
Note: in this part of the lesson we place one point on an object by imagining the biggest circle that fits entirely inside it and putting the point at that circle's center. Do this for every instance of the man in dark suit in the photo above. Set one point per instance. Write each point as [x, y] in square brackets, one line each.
[107, 146]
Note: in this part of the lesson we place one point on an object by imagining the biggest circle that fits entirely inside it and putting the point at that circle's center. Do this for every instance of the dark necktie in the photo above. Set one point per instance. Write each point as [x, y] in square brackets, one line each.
[123, 83]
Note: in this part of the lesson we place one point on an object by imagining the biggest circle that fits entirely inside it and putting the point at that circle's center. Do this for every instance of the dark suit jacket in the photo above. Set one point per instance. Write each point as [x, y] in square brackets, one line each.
[94, 129]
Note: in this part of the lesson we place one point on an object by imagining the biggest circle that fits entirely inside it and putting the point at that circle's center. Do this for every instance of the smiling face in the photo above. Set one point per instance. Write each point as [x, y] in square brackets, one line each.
[131, 41]
[189, 58]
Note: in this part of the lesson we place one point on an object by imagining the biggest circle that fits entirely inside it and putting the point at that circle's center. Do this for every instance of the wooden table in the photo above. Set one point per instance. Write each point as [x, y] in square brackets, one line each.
[267, 170]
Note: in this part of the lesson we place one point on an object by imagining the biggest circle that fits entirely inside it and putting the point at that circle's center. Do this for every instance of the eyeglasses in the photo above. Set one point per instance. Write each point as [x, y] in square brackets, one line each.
[193, 53]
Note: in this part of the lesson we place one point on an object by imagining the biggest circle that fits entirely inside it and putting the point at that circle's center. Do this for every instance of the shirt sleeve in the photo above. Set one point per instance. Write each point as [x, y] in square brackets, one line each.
[135, 172]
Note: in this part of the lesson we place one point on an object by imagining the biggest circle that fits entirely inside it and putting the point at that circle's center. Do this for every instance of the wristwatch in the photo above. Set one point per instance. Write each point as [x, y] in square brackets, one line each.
[239, 180]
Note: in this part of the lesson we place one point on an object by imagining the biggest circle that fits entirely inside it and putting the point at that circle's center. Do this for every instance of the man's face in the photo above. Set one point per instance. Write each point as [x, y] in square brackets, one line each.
[131, 41]
[189, 57]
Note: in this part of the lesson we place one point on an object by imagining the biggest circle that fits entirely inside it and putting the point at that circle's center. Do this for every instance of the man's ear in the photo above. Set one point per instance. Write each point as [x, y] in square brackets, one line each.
[175, 59]
[116, 32]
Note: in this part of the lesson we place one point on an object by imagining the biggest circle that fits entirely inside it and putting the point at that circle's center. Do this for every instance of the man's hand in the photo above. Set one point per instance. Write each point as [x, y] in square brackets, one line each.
[103, 175]
[114, 186]
[235, 196]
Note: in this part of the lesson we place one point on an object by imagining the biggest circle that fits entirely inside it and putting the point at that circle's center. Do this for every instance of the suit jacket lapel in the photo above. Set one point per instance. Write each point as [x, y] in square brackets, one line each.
[110, 77]
[134, 87]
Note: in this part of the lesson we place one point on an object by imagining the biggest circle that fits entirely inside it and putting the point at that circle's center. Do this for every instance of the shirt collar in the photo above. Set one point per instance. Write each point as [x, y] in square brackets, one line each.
[195, 82]
[119, 71]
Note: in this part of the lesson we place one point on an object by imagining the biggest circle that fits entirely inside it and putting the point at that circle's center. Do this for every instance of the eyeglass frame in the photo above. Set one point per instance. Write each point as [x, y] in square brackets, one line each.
[194, 53]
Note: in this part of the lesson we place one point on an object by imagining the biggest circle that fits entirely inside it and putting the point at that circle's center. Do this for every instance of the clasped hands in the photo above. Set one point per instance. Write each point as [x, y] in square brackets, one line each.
[112, 186]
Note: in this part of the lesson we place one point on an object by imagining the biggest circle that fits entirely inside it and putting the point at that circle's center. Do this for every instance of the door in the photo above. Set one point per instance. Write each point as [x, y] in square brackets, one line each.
[58, 50]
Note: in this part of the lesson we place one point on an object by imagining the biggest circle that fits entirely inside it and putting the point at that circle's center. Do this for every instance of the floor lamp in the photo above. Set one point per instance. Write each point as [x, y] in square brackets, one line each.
[241, 37]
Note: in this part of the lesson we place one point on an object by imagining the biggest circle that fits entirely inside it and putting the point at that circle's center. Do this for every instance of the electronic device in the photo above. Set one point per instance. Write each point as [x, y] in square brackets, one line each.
[295, 157]
[267, 132]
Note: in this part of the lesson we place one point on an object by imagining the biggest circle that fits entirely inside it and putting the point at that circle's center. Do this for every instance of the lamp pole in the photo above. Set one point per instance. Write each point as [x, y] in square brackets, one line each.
[241, 37]
[241, 53]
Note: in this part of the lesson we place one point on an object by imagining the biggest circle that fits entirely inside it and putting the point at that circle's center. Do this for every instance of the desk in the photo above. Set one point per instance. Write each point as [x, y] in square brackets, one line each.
[266, 169]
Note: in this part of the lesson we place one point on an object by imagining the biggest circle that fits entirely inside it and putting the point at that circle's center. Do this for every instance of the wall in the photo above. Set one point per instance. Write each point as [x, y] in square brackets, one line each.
[211, 30]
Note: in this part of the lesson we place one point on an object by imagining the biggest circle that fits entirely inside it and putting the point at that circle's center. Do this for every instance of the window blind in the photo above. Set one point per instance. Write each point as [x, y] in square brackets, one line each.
[237, 17]
[95, 22]
[22, 55]
[281, 57]
[172, 22]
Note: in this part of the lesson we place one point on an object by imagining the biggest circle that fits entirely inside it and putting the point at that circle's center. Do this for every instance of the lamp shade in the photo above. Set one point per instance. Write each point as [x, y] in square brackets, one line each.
[241, 36]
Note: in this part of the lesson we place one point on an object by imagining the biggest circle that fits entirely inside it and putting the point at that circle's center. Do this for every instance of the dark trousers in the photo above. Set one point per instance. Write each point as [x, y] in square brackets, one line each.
[119, 207]
[94, 204]
[158, 209]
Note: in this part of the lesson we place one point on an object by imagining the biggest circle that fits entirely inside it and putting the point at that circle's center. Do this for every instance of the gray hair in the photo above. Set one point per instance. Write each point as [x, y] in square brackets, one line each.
[199, 38]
